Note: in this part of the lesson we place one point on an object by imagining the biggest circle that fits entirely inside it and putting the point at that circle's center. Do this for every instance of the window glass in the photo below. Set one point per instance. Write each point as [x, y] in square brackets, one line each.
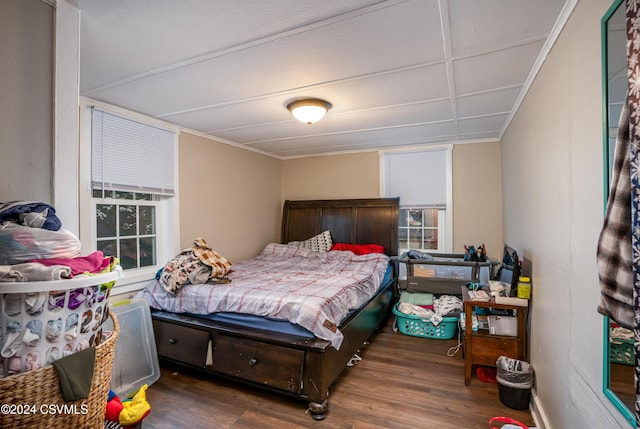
[106, 220]
[126, 228]
[418, 229]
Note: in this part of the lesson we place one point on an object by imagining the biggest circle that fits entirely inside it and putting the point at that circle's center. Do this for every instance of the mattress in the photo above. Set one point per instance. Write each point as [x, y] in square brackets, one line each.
[275, 325]
[314, 291]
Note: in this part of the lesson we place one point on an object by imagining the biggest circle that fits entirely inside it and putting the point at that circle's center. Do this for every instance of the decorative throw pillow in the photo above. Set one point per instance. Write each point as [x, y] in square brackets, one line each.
[318, 243]
[359, 249]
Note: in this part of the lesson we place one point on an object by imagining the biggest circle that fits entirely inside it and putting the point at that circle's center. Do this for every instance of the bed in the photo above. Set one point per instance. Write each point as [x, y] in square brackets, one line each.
[279, 355]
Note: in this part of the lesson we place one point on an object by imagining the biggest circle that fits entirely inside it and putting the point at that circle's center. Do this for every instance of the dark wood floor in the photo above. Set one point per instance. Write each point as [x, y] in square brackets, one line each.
[401, 382]
[622, 383]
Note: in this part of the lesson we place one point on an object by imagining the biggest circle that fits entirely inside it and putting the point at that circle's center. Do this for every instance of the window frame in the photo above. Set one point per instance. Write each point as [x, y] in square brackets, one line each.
[167, 208]
[445, 215]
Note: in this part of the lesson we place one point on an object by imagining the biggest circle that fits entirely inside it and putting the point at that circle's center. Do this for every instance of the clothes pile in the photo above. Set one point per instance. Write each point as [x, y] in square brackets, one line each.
[425, 306]
[32, 230]
[196, 265]
[43, 326]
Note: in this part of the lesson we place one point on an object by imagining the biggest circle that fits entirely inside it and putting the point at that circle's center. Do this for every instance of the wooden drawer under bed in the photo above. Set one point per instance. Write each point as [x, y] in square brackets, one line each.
[259, 362]
[181, 343]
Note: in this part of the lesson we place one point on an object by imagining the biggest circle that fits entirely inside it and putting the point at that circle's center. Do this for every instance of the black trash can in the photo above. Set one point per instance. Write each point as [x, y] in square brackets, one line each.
[515, 379]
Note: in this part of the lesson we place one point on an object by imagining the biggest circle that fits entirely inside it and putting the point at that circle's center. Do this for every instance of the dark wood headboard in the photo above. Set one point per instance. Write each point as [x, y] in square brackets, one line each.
[353, 221]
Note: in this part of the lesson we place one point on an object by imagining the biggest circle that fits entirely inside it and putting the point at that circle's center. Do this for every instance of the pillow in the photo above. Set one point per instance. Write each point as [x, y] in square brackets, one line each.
[318, 243]
[359, 249]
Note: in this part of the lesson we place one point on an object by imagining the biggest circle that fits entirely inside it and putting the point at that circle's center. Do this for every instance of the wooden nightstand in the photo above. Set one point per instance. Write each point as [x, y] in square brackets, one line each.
[482, 348]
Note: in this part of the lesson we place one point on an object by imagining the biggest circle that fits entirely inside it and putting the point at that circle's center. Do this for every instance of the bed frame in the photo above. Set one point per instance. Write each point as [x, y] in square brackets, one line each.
[298, 366]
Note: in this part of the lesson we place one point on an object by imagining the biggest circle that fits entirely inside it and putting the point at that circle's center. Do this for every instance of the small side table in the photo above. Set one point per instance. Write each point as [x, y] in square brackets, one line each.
[482, 348]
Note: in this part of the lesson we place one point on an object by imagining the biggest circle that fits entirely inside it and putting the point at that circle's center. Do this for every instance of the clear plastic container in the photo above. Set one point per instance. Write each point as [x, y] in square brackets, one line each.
[136, 359]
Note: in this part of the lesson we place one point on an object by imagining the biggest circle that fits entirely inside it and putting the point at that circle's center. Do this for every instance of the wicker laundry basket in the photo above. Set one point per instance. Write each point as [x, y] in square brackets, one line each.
[33, 399]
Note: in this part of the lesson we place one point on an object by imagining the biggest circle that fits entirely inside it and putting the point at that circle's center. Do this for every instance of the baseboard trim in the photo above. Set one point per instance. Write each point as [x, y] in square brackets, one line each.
[537, 412]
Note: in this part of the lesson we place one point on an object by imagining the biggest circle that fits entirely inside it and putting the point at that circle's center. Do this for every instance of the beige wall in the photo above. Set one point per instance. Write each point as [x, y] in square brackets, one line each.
[332, 176]
[26, 100]
[477, 197]
[553, 212]
[477, 209]
[228, 196]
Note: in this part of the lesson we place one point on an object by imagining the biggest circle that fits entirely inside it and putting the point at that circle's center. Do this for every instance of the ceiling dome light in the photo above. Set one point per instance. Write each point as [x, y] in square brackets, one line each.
[309, 110]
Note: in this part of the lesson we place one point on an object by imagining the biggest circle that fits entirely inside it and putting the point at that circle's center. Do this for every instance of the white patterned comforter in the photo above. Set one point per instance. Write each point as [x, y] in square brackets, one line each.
[312, 289]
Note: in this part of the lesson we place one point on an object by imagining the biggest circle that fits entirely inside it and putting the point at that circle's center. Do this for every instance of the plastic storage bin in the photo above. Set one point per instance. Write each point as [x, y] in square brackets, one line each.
[41, 322]
[445, 273]
[453, 266]
[136, 358]
[410, 324]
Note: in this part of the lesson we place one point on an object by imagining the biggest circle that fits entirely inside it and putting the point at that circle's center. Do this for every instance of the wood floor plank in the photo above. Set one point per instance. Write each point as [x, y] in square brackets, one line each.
[401, 382]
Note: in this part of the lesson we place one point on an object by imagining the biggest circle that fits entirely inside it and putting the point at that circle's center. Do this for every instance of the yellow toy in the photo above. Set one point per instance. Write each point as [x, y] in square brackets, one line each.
[136, 409]
[130, 412]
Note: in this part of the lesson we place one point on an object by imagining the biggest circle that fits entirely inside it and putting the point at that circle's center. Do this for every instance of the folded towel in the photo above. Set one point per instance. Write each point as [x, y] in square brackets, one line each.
[33, 272]
[417, 298]
[412, 309]
[93, 263]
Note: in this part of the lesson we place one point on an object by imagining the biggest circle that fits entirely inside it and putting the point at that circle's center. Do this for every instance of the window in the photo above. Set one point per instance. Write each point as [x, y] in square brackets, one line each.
[126, 228]
[419, 228]
[422, 180]
[129, 206]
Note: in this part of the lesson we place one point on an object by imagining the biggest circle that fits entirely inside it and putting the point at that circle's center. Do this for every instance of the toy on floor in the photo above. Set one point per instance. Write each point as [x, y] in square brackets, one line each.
[130, 412]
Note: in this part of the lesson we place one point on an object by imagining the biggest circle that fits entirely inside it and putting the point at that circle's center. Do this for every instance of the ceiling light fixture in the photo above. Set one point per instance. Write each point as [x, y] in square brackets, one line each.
[309, 110]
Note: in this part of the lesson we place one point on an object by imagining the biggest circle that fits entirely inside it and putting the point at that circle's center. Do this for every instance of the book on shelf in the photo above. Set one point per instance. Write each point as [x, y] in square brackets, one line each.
[479, 295]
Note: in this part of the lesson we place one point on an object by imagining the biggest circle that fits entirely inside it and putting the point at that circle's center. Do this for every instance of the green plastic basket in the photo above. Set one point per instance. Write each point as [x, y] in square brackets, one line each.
[409, 324]
[621, 351]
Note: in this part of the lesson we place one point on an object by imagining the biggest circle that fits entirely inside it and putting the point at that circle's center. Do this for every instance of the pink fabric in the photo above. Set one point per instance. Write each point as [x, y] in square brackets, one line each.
[94, 263]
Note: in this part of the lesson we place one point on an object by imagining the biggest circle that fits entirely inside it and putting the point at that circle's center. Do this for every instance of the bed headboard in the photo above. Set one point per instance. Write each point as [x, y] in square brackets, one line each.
[353, 221]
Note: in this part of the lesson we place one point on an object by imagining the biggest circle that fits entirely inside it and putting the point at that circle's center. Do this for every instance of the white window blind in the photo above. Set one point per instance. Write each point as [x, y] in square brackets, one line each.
[130, 156]
[418, 178]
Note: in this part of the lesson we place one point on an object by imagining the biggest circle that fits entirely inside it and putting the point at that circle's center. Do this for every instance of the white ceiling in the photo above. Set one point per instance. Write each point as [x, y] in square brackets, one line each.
[397, 72]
